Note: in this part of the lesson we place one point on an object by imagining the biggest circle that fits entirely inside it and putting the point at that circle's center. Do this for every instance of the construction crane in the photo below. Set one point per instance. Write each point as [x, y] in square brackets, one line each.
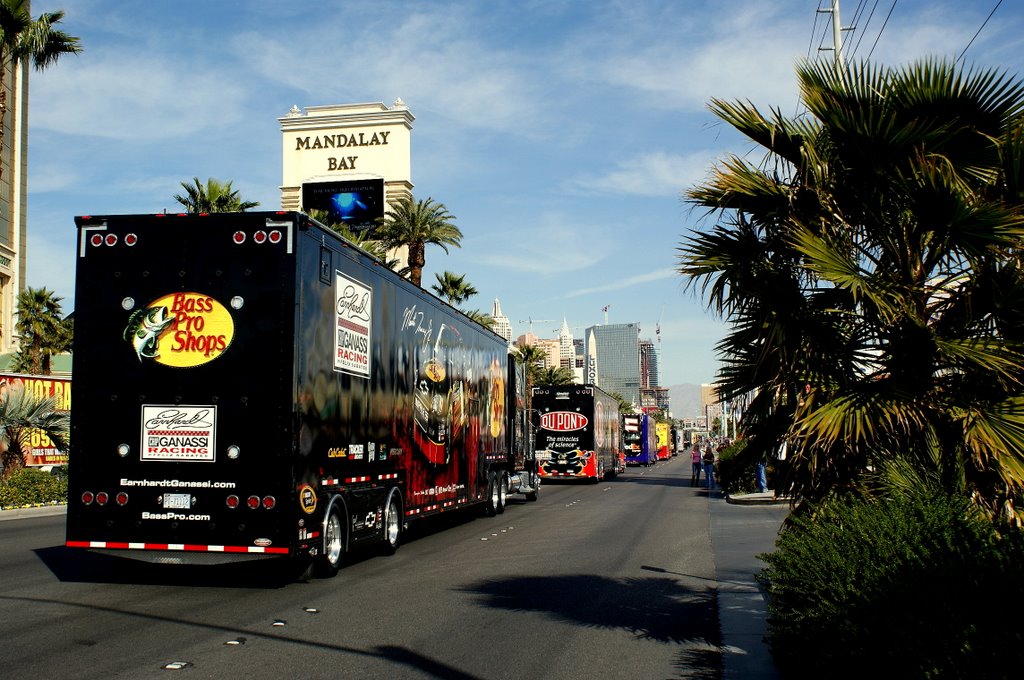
[531, 321]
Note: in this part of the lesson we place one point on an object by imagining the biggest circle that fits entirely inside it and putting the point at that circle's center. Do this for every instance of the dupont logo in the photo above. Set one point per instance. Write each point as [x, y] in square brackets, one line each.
[563, 421]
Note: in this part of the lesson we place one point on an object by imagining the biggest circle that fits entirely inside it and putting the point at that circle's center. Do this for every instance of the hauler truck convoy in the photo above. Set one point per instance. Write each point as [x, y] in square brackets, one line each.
[638, 439]
[577, 432]
[250, 385]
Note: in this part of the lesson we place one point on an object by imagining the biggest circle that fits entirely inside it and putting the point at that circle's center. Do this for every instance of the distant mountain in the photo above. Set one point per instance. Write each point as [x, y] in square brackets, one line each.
[684, 400]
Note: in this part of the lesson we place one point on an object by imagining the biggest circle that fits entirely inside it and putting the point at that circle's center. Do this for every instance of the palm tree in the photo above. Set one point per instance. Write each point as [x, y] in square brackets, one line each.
[531, 357]
[624, 406]
[42, 331]
[870, 271]
[24, 38]
[554, 375]
[482, 318]
[414, 224]
[21, 415]
[359, 239]
[453, 287]
[214, 197]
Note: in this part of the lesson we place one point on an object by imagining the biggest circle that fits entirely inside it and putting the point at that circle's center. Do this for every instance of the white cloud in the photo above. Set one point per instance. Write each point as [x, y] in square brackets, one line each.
[126, 96]
[653, 174]
[551, 245]
[432, 59]
[627, 282]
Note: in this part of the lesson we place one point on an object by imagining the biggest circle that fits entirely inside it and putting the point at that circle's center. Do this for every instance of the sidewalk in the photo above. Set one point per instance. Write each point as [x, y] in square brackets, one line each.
[41, 511]
[743, 527]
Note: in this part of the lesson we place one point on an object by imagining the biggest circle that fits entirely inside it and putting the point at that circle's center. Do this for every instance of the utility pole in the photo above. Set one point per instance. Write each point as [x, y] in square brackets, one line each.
[837, 33]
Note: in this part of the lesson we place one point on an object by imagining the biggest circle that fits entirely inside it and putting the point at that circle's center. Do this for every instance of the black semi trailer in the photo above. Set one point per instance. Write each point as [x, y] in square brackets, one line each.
[250, 385]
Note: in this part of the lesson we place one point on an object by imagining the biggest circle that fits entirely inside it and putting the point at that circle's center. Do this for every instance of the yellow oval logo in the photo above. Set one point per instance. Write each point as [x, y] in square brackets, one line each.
[307, 499]
[434, 370]
[181, 330]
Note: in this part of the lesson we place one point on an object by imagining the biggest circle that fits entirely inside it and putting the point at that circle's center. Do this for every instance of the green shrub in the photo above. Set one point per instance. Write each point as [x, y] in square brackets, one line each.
[917, 588]
[30, 486]
[736, 470]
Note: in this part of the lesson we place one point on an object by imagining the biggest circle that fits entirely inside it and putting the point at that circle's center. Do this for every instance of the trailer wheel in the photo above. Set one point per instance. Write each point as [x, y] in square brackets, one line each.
[328, 561]
[392, 522]
[502, 491]
[493, 495]
[533, 495]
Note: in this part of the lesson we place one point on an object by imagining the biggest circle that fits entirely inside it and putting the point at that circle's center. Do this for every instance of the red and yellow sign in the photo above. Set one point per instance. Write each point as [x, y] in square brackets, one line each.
[182, 329]
[39, 450]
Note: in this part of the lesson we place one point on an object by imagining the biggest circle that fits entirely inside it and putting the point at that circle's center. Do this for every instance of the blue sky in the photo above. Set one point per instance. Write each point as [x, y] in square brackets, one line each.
[560, 133]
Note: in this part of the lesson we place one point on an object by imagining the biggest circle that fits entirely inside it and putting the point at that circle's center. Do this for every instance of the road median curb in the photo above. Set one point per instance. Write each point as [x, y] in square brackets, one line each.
[33, 511]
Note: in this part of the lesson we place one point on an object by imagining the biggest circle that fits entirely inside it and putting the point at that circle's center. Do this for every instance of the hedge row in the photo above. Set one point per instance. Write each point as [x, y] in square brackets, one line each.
[915, 588]
[29, 486]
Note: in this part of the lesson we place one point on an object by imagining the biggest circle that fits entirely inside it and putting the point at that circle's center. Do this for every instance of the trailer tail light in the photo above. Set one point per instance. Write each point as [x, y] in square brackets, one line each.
[253, 502]
[130, 239]
[88, 497]
[232, 501]
[121, 498]
[269, 502]
[111, 240]
[102, 498]
[272, 234]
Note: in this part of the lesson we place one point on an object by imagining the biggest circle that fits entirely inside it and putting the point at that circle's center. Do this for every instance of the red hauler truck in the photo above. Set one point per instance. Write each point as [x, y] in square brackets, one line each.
[250, 385]
[577, 432]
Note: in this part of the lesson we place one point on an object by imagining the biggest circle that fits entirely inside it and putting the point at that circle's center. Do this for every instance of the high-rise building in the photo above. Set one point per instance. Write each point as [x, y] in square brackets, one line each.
[502, 326]
[13, 194]
[617, 359]
[566, 351]
[648, 365]
[552, 349]
[579, 359]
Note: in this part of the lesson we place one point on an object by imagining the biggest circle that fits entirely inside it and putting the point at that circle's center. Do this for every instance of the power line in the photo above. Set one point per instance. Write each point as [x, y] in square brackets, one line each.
[864, 30]
[882, 29]
[814, 31]
[979, 31]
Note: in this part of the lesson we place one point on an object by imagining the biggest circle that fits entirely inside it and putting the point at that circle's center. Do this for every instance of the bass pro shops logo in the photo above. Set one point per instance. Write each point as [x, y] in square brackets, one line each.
[181, 330]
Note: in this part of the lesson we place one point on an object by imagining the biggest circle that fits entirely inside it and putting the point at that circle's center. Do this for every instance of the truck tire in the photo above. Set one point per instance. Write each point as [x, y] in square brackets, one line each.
[327, 563]
[493, 495]
[502, 491]
[392, 521]
[535, 494]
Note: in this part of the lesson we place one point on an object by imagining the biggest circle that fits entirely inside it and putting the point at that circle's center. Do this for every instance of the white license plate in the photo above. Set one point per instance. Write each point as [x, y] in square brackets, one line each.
[178, 501]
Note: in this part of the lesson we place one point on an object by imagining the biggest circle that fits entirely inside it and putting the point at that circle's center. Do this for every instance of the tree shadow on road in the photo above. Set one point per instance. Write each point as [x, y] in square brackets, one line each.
[651, 608]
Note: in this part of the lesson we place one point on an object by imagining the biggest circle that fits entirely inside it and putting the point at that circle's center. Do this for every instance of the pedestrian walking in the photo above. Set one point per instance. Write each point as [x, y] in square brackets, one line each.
[762, 477]
[709, 467]
[697, 463]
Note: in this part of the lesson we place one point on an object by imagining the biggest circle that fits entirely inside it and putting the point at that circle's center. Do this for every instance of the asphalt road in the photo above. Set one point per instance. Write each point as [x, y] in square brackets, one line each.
[614, 580]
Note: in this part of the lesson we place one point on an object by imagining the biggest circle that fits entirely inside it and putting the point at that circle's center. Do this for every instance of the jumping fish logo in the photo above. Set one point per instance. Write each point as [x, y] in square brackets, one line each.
[144, 329]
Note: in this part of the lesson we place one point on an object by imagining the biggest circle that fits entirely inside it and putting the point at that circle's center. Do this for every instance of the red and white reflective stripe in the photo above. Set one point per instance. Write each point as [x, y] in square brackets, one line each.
[177, 547]
[393, 475]
[330, 482]
[355, 480]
